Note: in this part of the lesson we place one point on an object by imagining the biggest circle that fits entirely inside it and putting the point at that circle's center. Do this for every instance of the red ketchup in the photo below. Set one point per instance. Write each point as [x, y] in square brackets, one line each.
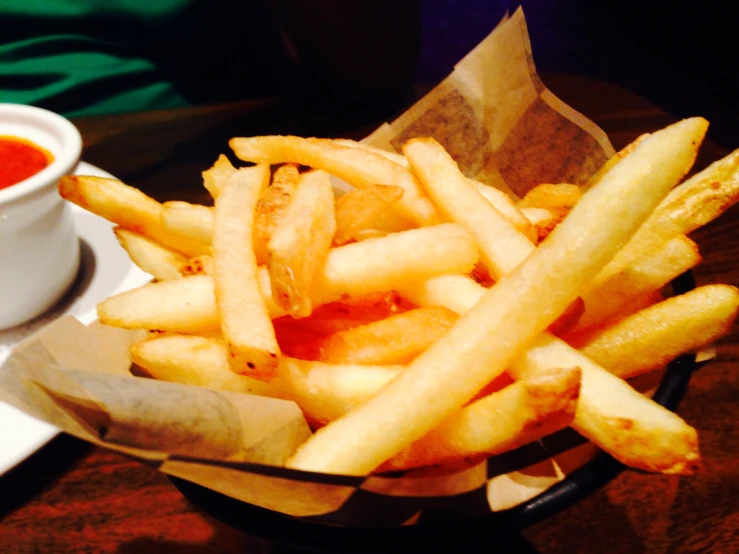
[20, 159]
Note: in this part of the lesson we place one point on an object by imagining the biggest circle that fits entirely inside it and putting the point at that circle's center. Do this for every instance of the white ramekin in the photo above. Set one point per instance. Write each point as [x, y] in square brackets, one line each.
[39, 249]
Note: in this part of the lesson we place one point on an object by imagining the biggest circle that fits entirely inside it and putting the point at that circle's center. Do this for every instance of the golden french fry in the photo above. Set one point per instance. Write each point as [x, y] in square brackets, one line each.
[620, 420]
[190, 221]
[323, 391]
[394, 340]
[245, 321]
[649, 274]
[648, 339]
[150, 256]
[357, 166]
[376, 265]
[272, 206]
[694, 203]
[199, 265]
[300, 243]
[510, 315]
[186, 305]
[551, 197]
[357, 210]
[214, 177]
[505, 205]
[533, 408]
[613, 160]
[125, 206]
[459, 200]
[194, 360]
[396, 260]
[499, 199]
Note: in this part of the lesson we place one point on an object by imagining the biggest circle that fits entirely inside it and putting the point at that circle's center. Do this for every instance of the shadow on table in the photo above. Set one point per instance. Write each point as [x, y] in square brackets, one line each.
[39, 471]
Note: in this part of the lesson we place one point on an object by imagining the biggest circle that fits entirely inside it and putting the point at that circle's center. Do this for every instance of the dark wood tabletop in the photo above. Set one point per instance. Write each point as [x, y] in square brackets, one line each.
[69, 497]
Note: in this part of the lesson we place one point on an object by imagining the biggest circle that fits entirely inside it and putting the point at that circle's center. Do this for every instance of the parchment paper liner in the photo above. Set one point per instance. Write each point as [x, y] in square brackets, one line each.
[505, 129]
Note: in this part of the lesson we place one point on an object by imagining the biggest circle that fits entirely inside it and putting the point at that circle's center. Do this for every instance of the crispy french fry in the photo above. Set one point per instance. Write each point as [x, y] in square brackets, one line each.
[272, 206]
[183, 306]
[518, 414]
[694, 203]
[214, 177]
[150, 256]
[323, 391]
[356, 166]
[300, 243]
[652, 273]
[393, 340]
[245, 322]
[190, 221]
[648, 339]
[460, 201]
[499, 199]
[194, 360]
[551, 197]
[125, 206]
[613, 415]
[510, 315]
[357, 210]
[384, 264]
[199, 265]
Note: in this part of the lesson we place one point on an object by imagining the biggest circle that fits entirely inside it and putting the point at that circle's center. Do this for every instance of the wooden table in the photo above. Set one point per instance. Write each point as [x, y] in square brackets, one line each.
[72, 498]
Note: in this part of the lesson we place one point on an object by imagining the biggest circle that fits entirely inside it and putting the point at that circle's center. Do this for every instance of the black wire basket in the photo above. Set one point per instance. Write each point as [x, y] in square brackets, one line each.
[438, 530]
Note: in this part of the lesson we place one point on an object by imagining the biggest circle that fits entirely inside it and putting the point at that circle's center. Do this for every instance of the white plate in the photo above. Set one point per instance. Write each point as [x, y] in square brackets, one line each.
[105, 269]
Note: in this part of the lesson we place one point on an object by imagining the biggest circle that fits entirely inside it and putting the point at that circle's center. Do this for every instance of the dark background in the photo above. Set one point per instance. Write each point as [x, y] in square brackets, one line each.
[680, 55]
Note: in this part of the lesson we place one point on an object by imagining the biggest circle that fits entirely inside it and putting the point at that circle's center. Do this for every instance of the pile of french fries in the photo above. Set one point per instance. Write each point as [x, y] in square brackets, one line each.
[423, 317]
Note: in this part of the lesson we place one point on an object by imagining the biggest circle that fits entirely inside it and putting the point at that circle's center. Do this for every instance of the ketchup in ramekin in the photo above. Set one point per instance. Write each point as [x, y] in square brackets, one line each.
[20, 159]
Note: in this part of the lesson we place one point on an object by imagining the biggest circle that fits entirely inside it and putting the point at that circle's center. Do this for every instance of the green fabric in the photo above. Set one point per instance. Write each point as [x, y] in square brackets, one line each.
[85, 57]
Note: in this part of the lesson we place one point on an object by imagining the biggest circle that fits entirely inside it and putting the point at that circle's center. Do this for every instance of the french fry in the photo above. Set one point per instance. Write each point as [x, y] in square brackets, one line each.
[189, 221]
[245, 321]
[613, 160]
[272, 207]
[396, 260]
[186, 305]
[300, 243]
[649, 339]
[377, 265]
[510, 315]
[503, 203]
[357, 210]
[394, 340]
[518, 414]
[499, 199]
[652, 273]
[460, 201]
[150, 256]
[194, 360]
[694, 203]
[125, 206]
[552, 197]
[613, 415]
[214, 177]
[356, 166]
[323, 391]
